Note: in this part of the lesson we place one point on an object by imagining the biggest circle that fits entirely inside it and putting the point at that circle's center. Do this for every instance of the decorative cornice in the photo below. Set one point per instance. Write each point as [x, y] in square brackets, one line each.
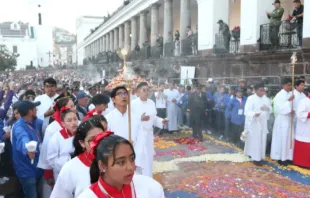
[132, 9]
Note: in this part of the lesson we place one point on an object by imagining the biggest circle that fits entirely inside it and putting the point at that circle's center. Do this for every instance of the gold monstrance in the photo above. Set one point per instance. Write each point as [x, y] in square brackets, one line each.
[128, 76]
[293, 60]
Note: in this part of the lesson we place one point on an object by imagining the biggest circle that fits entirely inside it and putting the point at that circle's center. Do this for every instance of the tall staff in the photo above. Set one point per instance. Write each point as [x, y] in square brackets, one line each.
[293, 60]
[128, 75]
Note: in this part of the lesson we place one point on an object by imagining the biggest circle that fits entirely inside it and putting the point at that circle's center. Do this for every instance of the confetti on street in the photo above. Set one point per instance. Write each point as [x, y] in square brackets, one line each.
[189, 169]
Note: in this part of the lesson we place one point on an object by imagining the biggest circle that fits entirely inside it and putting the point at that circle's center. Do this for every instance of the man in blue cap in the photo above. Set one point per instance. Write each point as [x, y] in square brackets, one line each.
[25, 163]
[82, 104]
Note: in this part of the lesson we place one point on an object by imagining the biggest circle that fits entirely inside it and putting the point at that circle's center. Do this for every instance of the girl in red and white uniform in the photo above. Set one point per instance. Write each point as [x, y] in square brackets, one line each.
[112, 171]
[51, 129]
[60, 147]
[74, 178]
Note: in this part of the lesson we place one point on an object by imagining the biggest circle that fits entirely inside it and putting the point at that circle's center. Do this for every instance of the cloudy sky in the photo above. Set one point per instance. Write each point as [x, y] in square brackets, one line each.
[60, 13]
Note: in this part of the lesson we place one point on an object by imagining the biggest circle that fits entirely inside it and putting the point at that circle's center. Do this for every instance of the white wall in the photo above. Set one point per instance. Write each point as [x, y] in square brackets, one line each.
[26, 48]
[44, 37]
[74, 54]
[83, 27]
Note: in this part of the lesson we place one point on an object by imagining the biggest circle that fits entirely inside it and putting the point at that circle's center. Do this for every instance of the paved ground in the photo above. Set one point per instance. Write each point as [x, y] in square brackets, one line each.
[188, 169]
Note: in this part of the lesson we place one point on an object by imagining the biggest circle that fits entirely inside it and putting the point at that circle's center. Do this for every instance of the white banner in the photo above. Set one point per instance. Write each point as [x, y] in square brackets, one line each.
[187, 73]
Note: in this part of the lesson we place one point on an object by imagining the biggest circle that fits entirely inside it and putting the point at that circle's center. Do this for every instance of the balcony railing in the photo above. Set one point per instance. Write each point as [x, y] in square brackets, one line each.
[189, 45]
[225, 45]
[278, 36]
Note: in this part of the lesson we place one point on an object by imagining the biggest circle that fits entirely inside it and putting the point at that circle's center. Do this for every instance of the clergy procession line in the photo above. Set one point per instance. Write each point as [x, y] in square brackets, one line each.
[71, 144]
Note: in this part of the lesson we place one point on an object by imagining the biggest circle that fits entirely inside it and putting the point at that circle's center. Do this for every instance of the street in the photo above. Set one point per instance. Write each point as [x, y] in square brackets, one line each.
[188, 169]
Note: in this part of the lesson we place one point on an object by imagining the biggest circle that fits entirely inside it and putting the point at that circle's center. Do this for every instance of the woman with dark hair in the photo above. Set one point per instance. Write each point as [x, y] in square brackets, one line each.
[60, 147]
[112, 171]
[51, 129]
[73, 178]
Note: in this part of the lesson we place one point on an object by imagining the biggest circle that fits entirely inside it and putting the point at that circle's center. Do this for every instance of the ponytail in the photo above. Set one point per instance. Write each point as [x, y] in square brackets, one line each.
[94, 172]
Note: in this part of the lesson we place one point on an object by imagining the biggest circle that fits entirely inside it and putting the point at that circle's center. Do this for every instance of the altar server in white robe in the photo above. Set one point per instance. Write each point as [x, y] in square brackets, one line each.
[74, 177]
[145, 109]
[114, 160]
[302, 139]
[257, 110]
[281, 148]
[45, 110]
[60, 146]
[173, 96]
[118, 118]
[299, 95]
[51, 129]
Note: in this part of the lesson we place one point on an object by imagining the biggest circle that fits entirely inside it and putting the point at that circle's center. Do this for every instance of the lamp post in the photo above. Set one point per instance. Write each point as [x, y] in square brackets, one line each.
[128, 75]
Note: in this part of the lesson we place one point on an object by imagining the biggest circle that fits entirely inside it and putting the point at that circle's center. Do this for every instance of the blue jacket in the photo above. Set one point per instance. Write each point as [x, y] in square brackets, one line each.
[227, 110]
[220, 99]
[24, 132]
[183, 102]
[4, 110]
[234, 106]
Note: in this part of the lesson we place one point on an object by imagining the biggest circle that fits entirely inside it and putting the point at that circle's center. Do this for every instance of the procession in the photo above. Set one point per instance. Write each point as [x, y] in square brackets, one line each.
[155, 99]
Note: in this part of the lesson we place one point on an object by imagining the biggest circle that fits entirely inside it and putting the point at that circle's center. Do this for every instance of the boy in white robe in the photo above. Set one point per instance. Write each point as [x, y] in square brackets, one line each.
[282, 138]
[257, 111]
[173, 96]
[299, 95]
[118, 118]
[145, 111]
[302, 139]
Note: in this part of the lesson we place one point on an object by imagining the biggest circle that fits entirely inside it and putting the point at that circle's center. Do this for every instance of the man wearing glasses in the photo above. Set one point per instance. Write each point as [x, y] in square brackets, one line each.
[118, 117]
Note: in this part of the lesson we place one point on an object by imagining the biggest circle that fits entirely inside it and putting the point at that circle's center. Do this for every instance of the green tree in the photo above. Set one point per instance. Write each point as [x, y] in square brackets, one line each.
[7, 59]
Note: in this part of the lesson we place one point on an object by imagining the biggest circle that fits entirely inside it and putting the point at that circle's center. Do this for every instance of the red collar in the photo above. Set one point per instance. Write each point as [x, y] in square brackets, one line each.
[112, 191]
[65, 133]
[85, 158]
[91, 114]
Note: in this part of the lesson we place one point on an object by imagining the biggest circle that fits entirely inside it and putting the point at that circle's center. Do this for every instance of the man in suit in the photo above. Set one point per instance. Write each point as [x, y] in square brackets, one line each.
[197, 106]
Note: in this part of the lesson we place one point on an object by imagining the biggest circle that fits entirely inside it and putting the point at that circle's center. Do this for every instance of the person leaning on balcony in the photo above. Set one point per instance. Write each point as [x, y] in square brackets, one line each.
[298, 16]
[275, 21]
[225, 32]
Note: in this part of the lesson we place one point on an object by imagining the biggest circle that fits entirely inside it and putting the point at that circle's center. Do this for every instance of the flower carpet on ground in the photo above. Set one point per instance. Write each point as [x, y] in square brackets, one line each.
[189, 169]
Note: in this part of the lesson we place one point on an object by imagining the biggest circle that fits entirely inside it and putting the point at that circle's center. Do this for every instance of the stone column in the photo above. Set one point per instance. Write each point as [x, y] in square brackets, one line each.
[168, 20]
[253, 15]
[107, 41]
[143, 31]
[134, 35]
[121, 36]
[208, 16]
[116, 39]
[154, 24]
[127, 35]
[103, 44]
[306, 25]
[112, 41]
[185, 17]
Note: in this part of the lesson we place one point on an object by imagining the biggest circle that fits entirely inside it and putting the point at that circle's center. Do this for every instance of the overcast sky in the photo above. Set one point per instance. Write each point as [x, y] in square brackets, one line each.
[59, 13]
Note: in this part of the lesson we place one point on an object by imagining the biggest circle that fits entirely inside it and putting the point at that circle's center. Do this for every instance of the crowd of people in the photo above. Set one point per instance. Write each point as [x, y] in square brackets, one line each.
[69, 142]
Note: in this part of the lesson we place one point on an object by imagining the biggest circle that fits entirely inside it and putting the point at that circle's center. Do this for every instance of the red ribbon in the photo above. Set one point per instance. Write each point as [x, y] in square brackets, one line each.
[97, 140]
[65, 108]
[91, 114]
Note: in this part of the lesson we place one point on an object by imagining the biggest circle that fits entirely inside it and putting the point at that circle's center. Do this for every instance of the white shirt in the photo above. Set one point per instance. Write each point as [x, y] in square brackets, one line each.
[46, 103]
[50, 131]
[298, 97]
[145, 187]
[72, 180]
[160, 100]
[118, 123]
[303, 122]
[59, 151]
[172, 94]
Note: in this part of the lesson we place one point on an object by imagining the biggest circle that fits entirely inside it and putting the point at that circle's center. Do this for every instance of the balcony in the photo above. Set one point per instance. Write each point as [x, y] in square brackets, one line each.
[226, 45]
[278, 36]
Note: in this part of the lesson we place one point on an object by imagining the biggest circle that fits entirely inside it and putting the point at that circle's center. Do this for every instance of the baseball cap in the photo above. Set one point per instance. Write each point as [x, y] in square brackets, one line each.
[81, 95]
[26, 105]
